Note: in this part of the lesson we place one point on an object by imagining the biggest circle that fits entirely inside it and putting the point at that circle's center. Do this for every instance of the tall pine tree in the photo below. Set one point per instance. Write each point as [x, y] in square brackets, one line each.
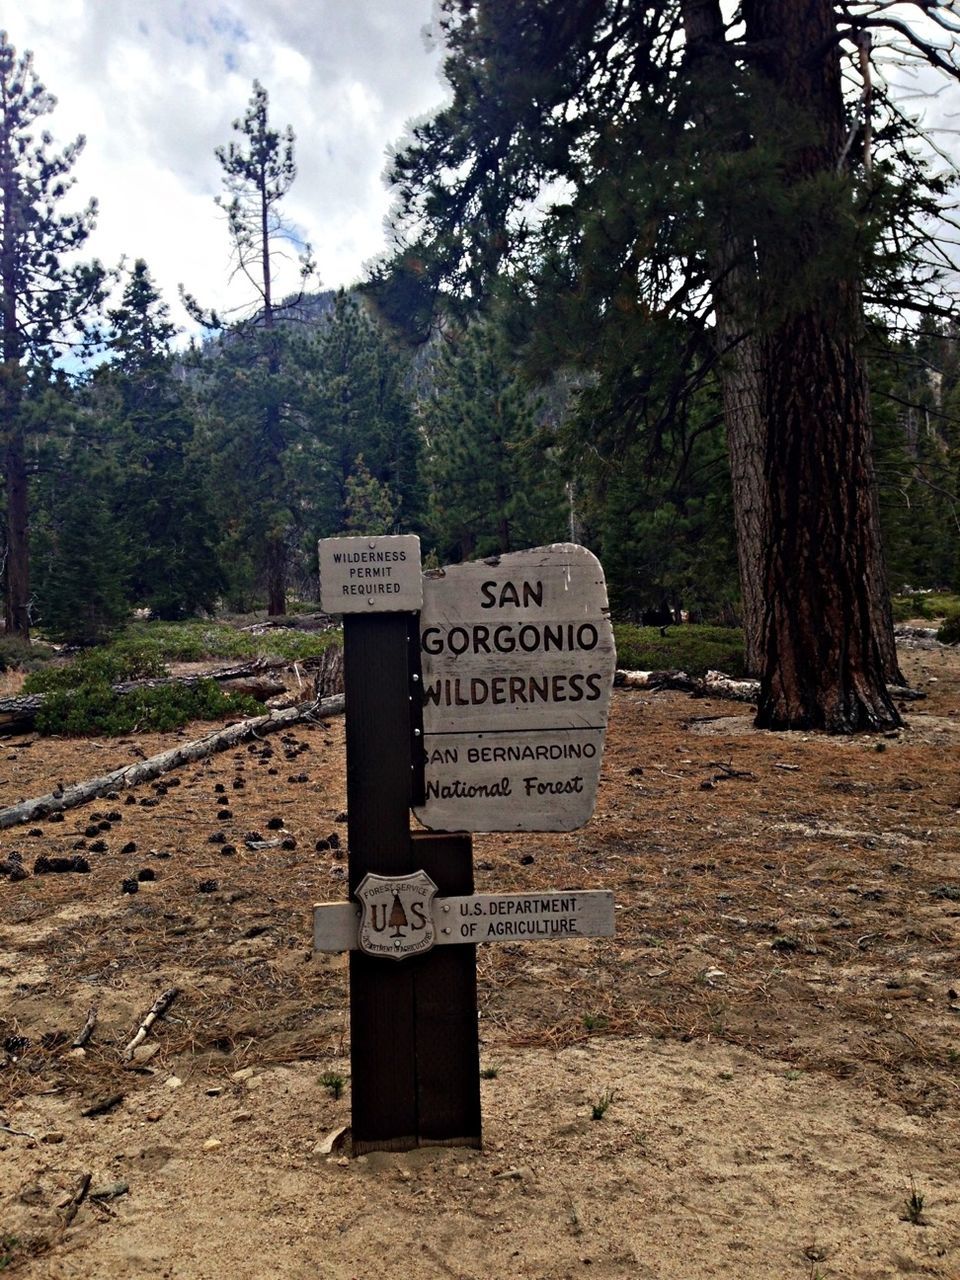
[43, 302]
[358, 405]
[258, 170]
[494, 477]
[163, 511]
[651, 169]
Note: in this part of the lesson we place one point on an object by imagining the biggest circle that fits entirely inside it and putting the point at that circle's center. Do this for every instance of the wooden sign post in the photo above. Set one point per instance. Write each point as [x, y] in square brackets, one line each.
[414, 1056]
[506, 677]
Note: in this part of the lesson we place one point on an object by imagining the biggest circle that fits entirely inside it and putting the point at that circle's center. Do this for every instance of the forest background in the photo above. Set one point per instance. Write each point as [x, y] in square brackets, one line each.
[142, 476]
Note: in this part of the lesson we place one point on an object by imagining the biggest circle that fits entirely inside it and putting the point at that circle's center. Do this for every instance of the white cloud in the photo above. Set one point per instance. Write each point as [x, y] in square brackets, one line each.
[155, 85]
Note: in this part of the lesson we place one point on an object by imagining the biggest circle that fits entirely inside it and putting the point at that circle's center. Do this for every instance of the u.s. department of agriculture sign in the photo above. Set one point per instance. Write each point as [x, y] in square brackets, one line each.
[517, 663]
[422, 921]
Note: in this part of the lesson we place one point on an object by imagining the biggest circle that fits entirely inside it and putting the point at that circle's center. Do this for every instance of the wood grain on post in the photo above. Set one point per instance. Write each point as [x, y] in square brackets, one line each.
[448, 1051]
[382, 1005]
[413, 1025]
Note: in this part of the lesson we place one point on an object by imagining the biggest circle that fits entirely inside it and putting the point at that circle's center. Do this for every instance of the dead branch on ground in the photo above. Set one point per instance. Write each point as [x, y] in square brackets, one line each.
[132, 775]
[157, 1010]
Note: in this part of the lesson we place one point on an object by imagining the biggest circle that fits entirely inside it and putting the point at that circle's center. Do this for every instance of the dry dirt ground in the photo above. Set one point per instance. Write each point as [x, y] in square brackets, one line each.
[774, 1028]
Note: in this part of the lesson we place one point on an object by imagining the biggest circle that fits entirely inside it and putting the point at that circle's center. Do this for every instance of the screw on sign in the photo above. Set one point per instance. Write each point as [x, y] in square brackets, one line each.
[477, 696]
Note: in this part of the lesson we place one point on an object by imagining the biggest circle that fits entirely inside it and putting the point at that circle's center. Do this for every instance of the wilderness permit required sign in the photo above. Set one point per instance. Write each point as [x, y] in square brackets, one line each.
[370, 575]
[517, 661]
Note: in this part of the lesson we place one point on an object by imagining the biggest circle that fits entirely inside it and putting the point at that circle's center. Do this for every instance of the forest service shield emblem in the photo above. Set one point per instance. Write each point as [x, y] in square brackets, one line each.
[396, 917]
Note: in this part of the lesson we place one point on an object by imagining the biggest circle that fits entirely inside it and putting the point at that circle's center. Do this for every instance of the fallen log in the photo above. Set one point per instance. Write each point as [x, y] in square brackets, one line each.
[18, 713]
[715, 684]
[132, 775]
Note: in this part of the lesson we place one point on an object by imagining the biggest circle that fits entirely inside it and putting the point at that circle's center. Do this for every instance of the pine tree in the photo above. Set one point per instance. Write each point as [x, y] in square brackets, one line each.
[663, 524]
[370, 505]
[913, 380]
[163, 511]
[495, 481]
[259, 169]
[83, 559]
[43, 302]
[699, 181]
[359, 405]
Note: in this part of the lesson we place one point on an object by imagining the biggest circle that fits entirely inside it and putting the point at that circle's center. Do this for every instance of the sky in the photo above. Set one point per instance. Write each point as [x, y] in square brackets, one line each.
[154, 86]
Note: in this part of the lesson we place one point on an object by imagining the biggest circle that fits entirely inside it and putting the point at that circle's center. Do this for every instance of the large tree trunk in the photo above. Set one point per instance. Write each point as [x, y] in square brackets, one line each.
[741, 385]
[823, 665]
[825, 646]
[16, 598]
[746, 356]
[276, 577]
[733, 269]
[16, 603]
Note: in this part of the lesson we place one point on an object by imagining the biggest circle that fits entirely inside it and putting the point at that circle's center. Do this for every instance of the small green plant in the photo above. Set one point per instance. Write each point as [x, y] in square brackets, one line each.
[913, 1208]
[145, 648]
[8, 1244]
[595, 1022]
[195, 641]
[949, 631]
[21, 655]
[926, 605]
[334, 1083]
[95, 667]
[602, 1104]
[489, 1073]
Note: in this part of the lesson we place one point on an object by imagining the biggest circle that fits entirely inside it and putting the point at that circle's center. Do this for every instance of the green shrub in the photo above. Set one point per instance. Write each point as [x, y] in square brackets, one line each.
[928, 605]
[94, 709]
[197, 641]
[21, 655]
[949, 632]
[143, 651]
[907, 607]
[686, 647]
[103, 666]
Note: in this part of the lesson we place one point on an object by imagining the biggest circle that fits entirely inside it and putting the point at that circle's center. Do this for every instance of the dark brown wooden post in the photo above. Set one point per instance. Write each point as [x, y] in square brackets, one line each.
[445, 989]
[413, 1023]
[376, 677]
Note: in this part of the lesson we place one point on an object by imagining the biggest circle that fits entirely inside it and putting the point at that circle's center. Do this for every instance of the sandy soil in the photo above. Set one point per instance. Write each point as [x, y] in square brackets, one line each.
[775, 1026]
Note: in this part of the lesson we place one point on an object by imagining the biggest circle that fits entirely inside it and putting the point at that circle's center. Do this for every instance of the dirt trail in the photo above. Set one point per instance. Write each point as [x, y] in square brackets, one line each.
[775, 1025]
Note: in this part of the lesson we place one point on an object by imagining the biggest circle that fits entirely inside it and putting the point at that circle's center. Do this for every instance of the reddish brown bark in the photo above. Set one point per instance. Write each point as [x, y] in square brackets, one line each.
[823, 665]
[16, 604]
[276, 557]
[732, 268]
[823, 635]
[802, 64]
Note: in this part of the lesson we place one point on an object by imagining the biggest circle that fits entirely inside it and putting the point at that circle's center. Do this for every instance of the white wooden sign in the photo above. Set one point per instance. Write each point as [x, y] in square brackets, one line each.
[484, 917]
[518, 660]
[370, 575]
